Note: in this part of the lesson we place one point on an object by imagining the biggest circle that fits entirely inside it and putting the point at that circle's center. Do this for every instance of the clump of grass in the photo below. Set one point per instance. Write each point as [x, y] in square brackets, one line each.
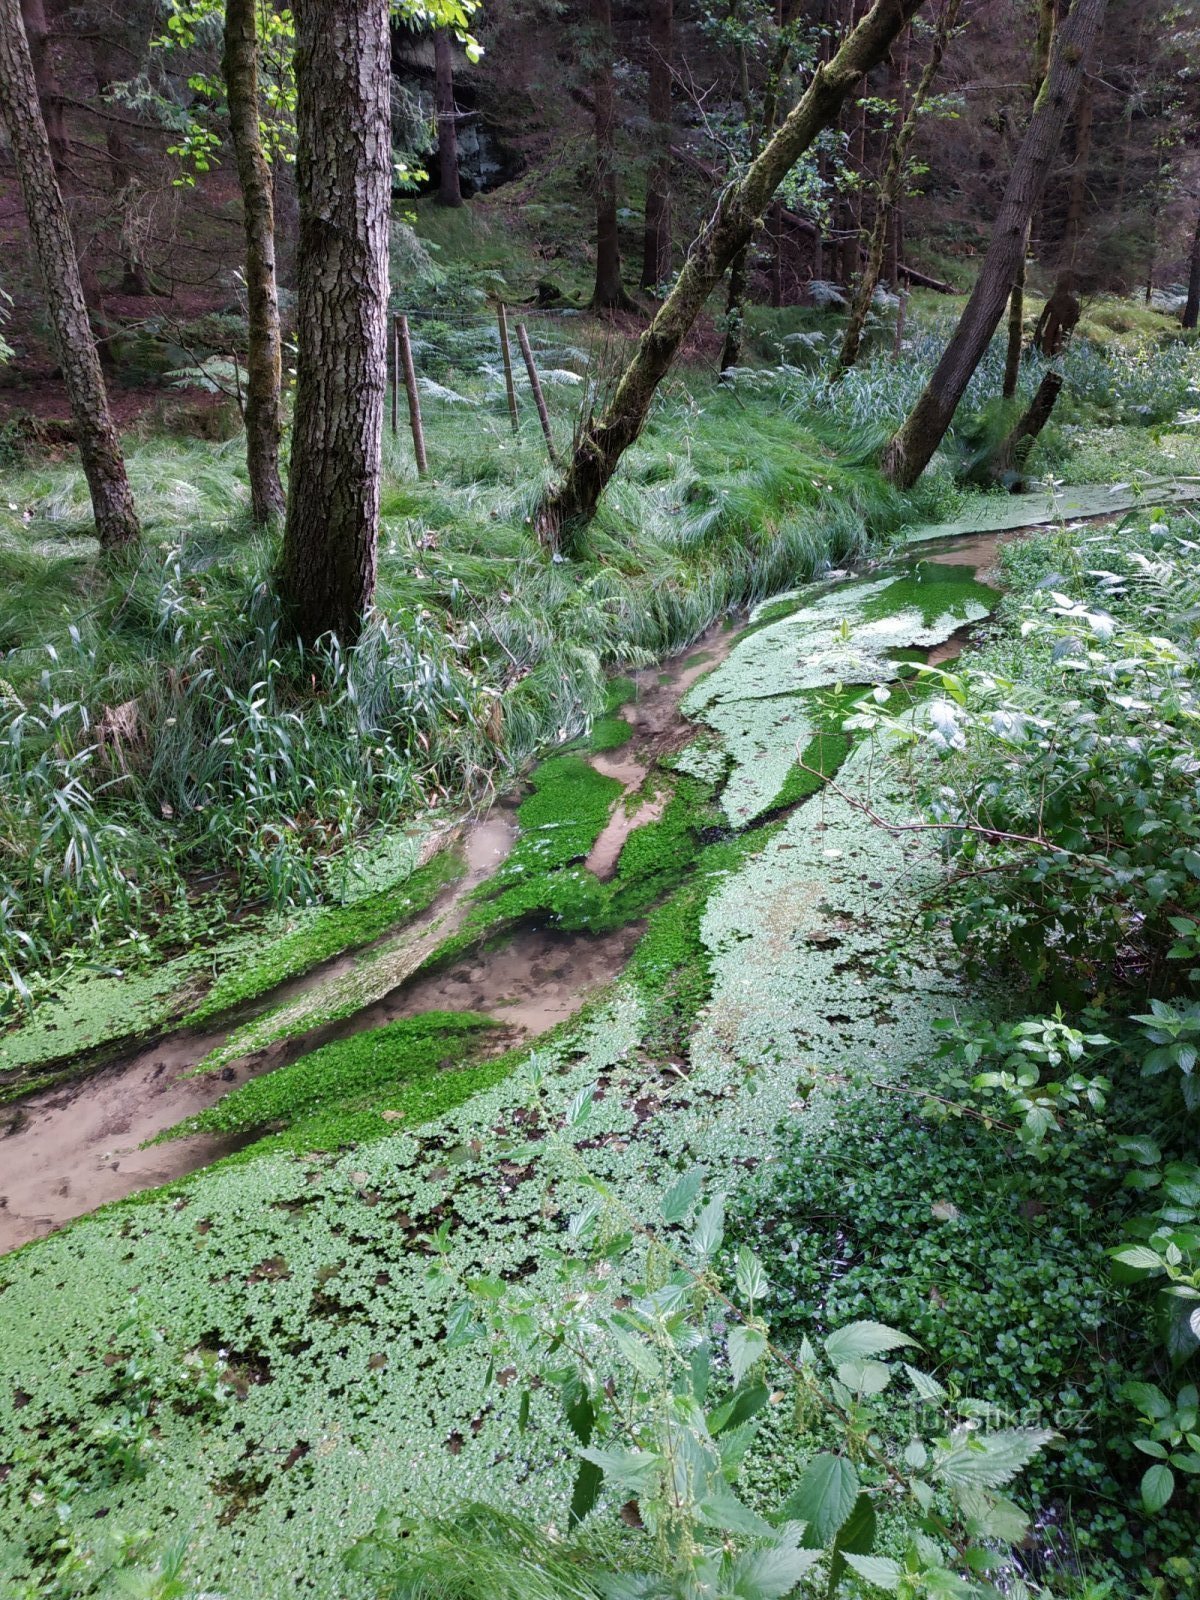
[331, 930]
[347, 1072]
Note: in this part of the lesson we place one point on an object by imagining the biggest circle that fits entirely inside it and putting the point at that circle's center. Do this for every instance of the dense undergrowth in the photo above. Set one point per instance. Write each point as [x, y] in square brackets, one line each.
[1037, 1230]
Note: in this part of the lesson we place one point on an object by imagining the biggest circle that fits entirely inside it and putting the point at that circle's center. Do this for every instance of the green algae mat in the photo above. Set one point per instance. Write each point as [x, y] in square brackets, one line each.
[254, 1360]
[1002, 513]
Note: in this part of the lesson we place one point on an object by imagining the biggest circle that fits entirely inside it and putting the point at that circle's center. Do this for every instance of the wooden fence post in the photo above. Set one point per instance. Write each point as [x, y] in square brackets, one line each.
[502, 318]
[535, 384]
[395, 376]
[414, 399]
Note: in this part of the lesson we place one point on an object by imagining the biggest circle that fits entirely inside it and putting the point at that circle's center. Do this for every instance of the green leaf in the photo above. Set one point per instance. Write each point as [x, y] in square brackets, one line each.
[680, 1198]
[881, 1572]
[772, 1573]
[720, 1508]
[927, 1388]
[584, 1492]
[825, 1496]
[1148, 1398]
[1137, 1255]
[1158, 1485]
[633, 1470]
[751, 1279]
[580, 1106]
[859, 1339]
[745, 1346]
[710, 1228]
[989, 1460]
[738, 1408]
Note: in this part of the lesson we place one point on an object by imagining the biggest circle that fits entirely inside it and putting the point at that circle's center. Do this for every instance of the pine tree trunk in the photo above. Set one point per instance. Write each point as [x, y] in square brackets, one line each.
[889, 193]
[343, 178]
[1016, 304]
[656, 250]
[1191, 311]
[449, 185]
[603, 440]
[99, 446]
[912, 448]
[608, 291]
[37, 31]
[264, 363]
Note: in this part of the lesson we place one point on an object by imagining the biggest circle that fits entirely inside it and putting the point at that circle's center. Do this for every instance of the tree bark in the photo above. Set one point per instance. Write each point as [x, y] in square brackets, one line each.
[899, 89]
[1016, 304]
[45, 74]
[609, 291]
[449, 185]
[99, 447]
[889, 193]
[1191, 311]
[603, 440]
[912, 448]
[656, 250]
[343, 178]
[264, 360]
[739, 268]
[1014, 450]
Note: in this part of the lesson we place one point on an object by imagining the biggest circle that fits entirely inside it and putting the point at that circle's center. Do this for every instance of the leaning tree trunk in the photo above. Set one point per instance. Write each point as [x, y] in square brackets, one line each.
[99, 447]
[656, 250]
[264, 364]
[449, 185]
[889, 193]
[1011, 454]
[1016, 303]
[1191, 311]
[912, 448]
[608, 291]
[603, 440]
[343, 177]
[1061, 314]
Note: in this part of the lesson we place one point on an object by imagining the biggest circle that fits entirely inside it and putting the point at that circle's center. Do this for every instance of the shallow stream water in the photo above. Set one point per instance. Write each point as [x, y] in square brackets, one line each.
[72, 1148]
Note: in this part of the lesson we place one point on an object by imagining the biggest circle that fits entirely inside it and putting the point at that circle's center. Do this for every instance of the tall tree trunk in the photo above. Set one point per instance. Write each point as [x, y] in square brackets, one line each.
[899, 90]
[656, 250]
[1191, 311]
[608, 291]
[45, 74]
[99, 446]
[264, 364]
[1016, 304]
[343, 177]
[603, 440]
[449, 187]
[739, 268]
[889, 192]
[1061, 312]
[911, 449]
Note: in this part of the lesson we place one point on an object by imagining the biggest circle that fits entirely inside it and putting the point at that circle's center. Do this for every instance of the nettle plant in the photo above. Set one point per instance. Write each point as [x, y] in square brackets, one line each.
[662, 1376]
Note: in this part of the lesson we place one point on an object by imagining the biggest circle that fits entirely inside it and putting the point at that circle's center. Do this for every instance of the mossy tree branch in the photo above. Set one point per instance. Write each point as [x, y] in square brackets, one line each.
[604, 439]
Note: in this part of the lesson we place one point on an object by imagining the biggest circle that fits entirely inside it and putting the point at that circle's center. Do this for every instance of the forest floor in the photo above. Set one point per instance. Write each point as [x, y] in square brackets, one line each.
[690, 907]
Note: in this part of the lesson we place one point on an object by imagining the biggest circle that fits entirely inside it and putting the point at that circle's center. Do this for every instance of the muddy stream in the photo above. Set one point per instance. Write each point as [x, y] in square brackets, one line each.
[69, 1149]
